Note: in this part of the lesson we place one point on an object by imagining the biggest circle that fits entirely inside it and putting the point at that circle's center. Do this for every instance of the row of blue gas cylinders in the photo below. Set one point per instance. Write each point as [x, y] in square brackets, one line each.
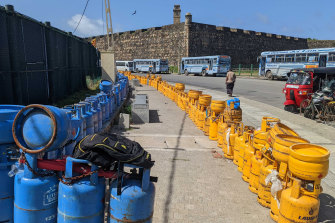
[52, 131]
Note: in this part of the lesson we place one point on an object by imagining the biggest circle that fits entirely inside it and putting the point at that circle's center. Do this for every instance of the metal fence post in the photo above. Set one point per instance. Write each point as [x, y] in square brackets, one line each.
[252, 66]
[239, 69]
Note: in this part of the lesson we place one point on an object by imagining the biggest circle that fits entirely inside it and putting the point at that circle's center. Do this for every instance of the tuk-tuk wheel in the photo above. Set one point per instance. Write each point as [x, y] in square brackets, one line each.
[269, 75]
[291, 108]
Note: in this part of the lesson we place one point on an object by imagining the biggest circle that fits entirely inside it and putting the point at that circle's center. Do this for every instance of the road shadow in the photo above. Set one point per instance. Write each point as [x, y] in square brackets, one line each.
[172, 174]
[327, 208]
[154, 116]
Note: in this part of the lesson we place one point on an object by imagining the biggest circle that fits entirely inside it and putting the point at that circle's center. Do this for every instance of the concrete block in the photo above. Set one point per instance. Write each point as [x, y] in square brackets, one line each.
[134, 83]
[124, 121]
[140, 109]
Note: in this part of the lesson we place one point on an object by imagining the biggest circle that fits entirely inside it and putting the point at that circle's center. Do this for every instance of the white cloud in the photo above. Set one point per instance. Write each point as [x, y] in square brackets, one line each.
[87, 26]
[263, 18]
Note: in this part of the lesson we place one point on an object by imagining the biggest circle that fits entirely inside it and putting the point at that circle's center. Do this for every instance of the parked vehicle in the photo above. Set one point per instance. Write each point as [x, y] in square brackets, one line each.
[207, 65]
[276, 64]
[302, 83]
[151, 65]
[125, 65]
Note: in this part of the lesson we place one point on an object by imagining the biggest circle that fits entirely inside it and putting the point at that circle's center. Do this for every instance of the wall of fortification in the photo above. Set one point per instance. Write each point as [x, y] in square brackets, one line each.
[320, 43]
[243, 46]
[166, 42]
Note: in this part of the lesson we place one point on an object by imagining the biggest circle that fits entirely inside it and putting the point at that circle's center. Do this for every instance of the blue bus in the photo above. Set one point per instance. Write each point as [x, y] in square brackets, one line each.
[206, 65]
[151, 65]
[277, 64]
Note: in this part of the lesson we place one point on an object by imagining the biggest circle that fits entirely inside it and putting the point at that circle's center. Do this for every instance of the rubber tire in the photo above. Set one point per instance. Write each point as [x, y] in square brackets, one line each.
[269, 75]
[203, 73]
[291, 108]
[186, 73]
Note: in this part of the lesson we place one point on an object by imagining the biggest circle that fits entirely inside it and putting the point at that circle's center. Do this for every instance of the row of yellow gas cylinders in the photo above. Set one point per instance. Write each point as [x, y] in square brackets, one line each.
[282, 168]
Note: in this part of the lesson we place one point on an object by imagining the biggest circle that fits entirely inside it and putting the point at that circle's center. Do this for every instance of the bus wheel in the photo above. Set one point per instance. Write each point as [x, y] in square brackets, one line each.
[269, 75]
[203, 73]
[186, 73]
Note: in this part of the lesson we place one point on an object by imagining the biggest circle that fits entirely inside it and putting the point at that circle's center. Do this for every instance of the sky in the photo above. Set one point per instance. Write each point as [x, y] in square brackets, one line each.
[298, 18]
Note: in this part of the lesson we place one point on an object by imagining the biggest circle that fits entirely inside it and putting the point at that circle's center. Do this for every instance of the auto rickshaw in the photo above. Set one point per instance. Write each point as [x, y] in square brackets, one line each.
[302, 83]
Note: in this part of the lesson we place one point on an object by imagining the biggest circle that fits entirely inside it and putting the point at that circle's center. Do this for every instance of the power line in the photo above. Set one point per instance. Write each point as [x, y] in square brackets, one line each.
[81, 16]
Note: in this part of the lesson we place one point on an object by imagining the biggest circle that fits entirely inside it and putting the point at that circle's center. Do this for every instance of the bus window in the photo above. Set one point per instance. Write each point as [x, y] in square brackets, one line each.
[313, 57]
[300, 57]
[289, 58]
[270, 59]
[280, 58]
[331, 57]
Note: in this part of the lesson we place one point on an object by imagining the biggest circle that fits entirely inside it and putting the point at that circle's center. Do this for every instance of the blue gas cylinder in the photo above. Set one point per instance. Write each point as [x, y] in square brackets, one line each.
[94, 109]
[43, 128]
[81, 107]
[104, 104]
[89, 118]
[35, 197]
[97, 106]
[117, 94]
[106, 86]
[78, 121]
[237, 103]
[136, 201]
[83, 201]
[7, 115]
[112, 104]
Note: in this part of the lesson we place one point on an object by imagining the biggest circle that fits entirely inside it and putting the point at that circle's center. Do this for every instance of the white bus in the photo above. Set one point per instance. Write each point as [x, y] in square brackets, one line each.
[206, 65]
[277, 64]
[125, 65]
[152, 65]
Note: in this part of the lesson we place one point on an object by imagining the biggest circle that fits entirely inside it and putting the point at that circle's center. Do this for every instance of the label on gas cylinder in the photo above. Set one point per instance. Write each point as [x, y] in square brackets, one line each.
[50, 196]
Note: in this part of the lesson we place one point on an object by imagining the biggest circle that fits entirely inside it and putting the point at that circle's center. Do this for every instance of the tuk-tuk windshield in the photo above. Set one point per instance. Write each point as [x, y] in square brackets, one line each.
[299, 78]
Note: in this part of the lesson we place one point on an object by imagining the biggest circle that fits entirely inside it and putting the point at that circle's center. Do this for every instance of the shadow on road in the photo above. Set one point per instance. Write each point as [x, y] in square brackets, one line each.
[172, 173]
[154, 116]
[327, 208]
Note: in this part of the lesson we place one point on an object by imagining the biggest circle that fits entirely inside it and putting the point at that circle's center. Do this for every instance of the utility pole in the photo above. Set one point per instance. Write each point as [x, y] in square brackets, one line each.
[108, 56]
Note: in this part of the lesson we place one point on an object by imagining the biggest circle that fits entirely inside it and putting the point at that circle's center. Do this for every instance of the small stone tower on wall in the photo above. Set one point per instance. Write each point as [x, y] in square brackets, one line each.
[176, 14]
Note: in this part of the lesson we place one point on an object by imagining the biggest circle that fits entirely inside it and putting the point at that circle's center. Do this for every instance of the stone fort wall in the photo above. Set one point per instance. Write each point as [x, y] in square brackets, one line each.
[195, 39]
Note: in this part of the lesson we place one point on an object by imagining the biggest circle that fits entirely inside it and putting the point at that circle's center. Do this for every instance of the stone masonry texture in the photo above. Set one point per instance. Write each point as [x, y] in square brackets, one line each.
[178, 40]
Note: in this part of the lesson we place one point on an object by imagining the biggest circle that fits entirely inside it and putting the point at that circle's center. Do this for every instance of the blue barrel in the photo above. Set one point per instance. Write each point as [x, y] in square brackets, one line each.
[89, 117]
[43, 128]
[94, 108]
[7, 115]
[237, 103]
[83, 201]
[35, 197]
[136, 201]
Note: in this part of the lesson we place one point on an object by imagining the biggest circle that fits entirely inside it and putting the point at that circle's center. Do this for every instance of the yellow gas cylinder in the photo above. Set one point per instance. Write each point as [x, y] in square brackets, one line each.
[308, 164]
[207, 122]
[249, 151]
[264, 189]
[243, 145]
[279, 128]
[217, 108]
[260, 135]
[221, 127]
[232, 114]
[238, 142]
[180, 86]
[194, 96]
[203, 102]
[256, 163]
[229, 136]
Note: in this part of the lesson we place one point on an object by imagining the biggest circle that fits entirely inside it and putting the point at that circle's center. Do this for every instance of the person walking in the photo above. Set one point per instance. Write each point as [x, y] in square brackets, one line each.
[230, 81]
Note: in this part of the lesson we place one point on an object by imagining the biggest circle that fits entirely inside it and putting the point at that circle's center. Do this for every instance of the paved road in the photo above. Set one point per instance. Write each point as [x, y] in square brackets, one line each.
[269, 92]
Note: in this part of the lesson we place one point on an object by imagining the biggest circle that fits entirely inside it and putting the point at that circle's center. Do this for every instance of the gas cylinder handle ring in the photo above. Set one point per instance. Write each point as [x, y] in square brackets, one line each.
[54, 134]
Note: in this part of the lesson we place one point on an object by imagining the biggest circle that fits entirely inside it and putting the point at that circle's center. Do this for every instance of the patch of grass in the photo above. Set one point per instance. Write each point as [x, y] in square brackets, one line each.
[92, 89]
[126, 109]
[76, 97]
[173, 69]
